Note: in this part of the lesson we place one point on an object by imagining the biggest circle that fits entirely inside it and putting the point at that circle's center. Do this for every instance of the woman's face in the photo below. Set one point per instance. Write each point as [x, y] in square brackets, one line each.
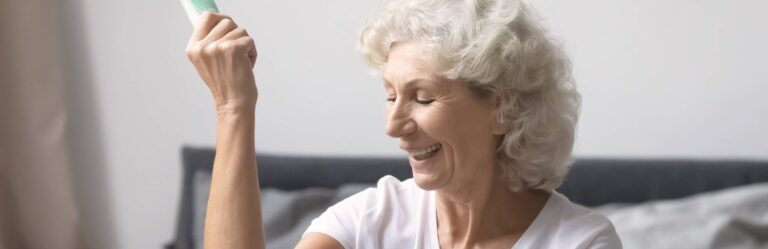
[449, 134]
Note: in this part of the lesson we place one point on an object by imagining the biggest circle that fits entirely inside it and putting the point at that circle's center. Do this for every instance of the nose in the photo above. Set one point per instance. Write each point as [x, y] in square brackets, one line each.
[399, 121]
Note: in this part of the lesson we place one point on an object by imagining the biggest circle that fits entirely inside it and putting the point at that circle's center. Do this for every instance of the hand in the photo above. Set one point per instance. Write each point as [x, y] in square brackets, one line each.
[224, 56]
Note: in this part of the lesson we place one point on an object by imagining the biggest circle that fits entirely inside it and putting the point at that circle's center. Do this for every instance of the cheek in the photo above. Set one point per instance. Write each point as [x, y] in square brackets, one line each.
[437, 122]
[464, 131]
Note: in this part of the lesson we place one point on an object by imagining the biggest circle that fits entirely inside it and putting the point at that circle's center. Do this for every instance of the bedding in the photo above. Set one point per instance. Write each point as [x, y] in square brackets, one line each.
[733, 218]
[661, 209]
[725, 219]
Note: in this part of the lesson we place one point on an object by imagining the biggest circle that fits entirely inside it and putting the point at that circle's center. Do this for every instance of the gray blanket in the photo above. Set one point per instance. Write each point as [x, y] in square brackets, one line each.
[726, 219]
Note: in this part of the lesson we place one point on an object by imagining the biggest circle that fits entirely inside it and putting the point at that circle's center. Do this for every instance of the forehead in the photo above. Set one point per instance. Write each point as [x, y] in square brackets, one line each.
[405, 63]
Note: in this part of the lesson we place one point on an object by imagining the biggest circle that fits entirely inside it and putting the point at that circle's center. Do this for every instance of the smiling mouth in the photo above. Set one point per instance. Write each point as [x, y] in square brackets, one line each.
[425, 153]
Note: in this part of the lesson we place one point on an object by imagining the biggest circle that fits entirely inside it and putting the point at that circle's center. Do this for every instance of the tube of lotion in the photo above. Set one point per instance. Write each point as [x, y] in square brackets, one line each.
[195, 8]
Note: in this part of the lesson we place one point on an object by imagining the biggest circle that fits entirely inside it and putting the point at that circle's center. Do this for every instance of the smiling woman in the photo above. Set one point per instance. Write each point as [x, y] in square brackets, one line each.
[498, 49]
[479, 97]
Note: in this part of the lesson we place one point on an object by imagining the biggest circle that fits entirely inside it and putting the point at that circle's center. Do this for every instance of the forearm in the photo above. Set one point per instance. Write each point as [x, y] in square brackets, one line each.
[233, 218]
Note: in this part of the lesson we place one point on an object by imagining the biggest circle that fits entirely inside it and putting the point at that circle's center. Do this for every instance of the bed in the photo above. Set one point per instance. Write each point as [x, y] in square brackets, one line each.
[668, 203]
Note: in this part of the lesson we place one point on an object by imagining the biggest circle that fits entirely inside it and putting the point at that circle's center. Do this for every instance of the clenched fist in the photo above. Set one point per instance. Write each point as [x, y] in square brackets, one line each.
[224, 56]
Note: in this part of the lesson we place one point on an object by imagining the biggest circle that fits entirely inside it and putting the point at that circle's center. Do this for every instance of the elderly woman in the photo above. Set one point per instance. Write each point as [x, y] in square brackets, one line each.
[477, 95]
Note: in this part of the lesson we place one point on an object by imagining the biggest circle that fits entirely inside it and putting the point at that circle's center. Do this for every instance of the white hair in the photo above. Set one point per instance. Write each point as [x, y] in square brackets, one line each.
[498, 48]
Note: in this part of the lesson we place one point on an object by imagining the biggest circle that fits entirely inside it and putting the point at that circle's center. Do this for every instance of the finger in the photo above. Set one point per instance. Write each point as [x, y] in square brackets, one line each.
[235, 33]
[247, 46]
[222, 28]
[244, 44]
[207, 21]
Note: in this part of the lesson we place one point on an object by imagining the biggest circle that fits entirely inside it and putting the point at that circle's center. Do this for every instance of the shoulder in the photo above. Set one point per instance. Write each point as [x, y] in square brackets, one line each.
[390, 196]
[369, 213]
[570, 214]
[572, 224]
[387, 190]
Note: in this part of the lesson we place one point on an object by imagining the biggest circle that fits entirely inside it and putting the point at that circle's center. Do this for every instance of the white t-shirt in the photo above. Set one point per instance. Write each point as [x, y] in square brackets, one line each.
[401, 215]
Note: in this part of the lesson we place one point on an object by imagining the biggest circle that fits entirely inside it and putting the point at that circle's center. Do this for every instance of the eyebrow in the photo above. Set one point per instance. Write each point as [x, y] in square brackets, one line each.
[417, 81]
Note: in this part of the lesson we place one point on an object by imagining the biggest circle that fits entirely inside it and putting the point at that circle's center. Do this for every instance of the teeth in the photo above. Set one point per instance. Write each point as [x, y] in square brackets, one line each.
[425, 151]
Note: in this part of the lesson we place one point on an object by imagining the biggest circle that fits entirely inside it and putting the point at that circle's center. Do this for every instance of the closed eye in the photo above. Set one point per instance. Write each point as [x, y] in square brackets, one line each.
[425, 102]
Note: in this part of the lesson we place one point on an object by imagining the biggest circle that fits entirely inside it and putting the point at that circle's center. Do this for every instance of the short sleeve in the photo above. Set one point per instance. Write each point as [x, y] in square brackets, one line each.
[342, 220]
[606, 239]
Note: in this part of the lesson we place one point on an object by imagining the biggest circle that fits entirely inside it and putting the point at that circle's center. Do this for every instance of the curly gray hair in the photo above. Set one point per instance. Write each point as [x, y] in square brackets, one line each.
[499, 49]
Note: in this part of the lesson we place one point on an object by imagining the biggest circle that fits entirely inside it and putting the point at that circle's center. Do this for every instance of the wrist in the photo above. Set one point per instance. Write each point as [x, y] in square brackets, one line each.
[235, 113]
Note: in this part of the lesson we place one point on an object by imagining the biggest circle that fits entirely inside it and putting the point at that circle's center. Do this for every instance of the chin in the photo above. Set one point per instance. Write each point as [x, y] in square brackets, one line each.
[427, 181]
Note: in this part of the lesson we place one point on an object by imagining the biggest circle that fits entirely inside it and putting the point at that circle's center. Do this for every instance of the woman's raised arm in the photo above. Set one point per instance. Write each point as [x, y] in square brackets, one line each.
[224, 56]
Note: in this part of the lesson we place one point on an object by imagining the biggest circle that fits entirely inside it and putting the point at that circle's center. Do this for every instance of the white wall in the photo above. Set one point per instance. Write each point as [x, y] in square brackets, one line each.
[668, 78]
[658, 78]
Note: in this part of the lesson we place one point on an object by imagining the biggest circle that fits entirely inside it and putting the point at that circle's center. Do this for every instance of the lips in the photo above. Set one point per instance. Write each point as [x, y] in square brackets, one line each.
[424, 152]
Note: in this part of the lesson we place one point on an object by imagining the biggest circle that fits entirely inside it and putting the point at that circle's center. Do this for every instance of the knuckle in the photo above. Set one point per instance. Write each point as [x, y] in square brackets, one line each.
[190, 54]
[227, 21]
[209, 50]
[249, 42]
[197, 51]
[196, 47]
[194, 50]
[244, 43]
[225, 47]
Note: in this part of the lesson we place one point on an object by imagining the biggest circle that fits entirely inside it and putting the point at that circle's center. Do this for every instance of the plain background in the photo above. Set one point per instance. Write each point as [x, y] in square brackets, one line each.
[659, 79]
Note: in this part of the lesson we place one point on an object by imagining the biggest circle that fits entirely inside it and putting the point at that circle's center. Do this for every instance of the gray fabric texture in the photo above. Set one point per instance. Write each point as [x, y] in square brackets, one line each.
[288, 213]
[285, 213]
[590, 182]
[735, 218]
